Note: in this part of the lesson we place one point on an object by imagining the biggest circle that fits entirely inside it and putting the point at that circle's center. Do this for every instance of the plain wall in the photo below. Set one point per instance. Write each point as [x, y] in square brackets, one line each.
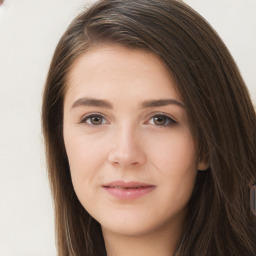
[29, 32]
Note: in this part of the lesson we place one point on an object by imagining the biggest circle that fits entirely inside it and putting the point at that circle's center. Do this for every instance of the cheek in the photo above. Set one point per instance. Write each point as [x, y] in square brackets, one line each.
[82, 149]
[175, 159]
[85, 159]
[174, 153]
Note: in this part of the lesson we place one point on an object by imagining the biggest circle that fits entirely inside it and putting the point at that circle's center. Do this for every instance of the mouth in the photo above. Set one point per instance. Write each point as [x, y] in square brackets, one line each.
[128, 190]
[127, 187]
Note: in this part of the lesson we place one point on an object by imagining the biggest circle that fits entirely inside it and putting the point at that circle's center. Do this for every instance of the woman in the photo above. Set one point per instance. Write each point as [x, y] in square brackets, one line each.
[150, 135]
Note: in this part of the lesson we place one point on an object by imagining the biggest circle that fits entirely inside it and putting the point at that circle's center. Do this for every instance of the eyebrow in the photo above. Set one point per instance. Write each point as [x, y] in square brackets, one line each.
[92, 102]
[106, 104]
[161, 103]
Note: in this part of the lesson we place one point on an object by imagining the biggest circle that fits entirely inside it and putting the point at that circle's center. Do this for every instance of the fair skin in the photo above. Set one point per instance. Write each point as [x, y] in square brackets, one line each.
[132, 156]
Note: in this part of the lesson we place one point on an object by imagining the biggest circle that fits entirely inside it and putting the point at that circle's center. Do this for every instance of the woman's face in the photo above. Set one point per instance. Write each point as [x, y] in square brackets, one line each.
[132, 157]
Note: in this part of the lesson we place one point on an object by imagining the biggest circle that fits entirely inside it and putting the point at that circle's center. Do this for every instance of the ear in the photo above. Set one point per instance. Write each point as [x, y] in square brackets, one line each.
[202, 165]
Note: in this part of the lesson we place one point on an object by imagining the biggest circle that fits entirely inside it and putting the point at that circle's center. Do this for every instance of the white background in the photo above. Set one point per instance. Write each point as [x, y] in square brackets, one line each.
[29, 31]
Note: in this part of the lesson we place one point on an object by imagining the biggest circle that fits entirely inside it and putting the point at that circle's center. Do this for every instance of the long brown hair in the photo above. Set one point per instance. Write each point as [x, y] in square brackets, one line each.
[219, 221]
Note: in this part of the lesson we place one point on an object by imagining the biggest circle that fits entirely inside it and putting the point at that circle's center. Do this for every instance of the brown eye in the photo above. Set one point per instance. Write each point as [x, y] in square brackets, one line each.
[94, 120]
[162, 120]
[159, 120]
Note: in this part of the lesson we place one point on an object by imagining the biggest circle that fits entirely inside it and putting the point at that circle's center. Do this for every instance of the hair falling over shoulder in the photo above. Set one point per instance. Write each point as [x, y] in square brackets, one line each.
[219, 220]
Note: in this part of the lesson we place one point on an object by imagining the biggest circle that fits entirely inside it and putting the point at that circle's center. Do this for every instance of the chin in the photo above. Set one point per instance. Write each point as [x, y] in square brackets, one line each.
[128, 229]
[131, 225]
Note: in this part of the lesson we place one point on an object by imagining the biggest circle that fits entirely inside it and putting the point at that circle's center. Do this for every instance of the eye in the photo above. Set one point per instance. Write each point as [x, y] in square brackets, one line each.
[162, 120]
[94, 119]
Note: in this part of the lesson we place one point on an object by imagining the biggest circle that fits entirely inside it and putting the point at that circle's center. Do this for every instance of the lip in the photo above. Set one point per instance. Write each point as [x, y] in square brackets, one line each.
[128, 190]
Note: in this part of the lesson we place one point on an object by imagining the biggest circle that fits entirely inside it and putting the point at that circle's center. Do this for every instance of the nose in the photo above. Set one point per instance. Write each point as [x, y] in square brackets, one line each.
[127, 149]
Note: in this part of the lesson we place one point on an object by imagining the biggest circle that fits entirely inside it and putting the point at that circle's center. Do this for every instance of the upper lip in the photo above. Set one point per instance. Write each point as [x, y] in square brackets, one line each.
[130, 184]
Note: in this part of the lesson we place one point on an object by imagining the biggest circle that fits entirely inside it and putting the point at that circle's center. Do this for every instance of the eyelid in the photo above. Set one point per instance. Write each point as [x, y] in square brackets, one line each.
[173, 121]
[92, 114]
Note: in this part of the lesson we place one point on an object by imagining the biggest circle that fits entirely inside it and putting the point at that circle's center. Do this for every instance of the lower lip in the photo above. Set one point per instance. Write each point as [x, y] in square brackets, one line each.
[130, 193]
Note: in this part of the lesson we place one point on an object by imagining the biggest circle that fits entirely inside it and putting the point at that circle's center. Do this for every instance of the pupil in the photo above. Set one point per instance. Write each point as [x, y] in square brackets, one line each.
[96, 120]
[159, 120]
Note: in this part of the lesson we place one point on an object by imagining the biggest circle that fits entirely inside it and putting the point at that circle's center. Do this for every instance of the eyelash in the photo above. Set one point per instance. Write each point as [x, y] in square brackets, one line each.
[93, 115]
[168, 120]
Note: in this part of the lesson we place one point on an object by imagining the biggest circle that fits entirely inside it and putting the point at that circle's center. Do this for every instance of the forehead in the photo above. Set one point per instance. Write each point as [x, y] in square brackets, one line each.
[109, 67]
